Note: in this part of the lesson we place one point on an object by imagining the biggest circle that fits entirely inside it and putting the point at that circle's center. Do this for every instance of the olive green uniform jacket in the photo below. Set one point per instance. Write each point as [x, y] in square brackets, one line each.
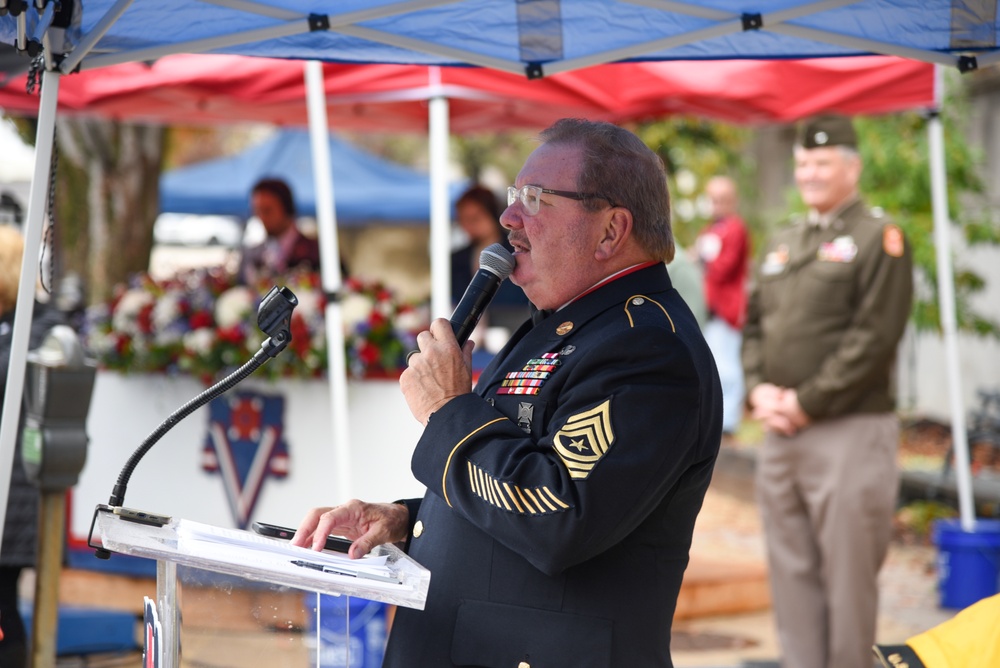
[827, 309]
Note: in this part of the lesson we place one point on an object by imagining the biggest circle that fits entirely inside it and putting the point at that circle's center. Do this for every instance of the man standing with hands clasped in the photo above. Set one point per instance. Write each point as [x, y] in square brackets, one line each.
[829, 305]
[562, 491]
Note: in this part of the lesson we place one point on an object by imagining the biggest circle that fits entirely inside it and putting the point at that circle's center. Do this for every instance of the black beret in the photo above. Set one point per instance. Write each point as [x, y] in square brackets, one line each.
[827, 130]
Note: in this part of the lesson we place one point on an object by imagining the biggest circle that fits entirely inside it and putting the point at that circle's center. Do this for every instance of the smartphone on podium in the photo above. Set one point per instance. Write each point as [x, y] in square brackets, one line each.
[274, 531]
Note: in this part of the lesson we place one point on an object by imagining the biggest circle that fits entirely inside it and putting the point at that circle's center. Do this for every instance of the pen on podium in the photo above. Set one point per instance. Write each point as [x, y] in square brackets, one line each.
[327, 568]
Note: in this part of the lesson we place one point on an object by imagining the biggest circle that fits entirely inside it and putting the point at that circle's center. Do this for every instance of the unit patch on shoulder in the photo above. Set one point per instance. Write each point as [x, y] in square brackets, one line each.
[584, 440]
[892, 240]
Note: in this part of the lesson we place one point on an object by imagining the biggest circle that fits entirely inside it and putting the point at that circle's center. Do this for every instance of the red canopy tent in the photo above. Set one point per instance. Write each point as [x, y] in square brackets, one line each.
[206, 89]
[209, 89]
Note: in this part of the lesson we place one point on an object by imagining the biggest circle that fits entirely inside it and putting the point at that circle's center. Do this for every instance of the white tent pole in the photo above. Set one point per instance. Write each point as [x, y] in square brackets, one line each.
[440, 240]
[946, 298]
[329, 253]
[37, 198]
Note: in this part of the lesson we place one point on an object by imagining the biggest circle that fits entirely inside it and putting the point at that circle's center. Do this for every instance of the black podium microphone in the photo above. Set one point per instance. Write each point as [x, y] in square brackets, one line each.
[495, 264]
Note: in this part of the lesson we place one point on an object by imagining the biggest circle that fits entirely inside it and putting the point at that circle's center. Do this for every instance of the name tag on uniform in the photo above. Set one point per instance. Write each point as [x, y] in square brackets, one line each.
[841, 249]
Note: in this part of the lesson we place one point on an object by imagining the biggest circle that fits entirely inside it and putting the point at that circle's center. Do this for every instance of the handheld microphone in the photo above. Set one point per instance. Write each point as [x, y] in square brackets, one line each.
[495, 264]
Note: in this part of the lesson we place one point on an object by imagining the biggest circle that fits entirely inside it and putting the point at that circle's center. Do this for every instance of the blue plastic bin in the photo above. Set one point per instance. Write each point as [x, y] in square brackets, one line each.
[968, 561]
[85, 631]
[364, 647]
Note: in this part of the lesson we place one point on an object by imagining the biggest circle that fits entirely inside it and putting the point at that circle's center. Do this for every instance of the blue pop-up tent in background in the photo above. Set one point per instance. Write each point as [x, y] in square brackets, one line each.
[369, 188]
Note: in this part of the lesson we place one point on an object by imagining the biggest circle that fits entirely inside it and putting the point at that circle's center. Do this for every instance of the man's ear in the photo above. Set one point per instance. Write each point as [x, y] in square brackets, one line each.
[616, 230]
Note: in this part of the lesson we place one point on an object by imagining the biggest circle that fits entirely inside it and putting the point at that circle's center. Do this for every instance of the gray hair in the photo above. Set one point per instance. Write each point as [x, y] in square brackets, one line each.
[620, 167]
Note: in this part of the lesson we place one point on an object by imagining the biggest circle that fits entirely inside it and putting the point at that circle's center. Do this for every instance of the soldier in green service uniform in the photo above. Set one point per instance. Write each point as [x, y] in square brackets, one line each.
[829, 304]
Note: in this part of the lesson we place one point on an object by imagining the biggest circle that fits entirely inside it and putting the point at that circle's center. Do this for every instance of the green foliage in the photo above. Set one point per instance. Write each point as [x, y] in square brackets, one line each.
[918, 517]
[694, 150]
[505, 151]
[896, 177]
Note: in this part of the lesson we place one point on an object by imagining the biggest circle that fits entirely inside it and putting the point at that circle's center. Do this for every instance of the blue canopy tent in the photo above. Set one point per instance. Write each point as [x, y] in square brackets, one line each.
[534, 37]
[222, 186]
[531, 37]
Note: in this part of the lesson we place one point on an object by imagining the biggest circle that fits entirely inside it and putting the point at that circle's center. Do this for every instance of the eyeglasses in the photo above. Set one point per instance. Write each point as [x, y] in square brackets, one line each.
[531, 197]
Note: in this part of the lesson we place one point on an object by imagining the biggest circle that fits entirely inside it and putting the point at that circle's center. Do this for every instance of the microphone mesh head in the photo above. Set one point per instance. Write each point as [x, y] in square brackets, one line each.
[497, 259]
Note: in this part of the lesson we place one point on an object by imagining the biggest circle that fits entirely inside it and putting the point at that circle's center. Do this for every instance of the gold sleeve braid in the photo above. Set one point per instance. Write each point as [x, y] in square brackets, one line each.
[513, 498]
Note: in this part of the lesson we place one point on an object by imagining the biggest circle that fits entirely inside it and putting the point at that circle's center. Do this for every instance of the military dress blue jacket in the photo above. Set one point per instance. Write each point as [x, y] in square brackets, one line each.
[562, 493]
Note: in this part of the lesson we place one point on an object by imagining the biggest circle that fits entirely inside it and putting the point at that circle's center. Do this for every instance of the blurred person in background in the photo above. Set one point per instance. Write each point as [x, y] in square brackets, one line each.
[285, 247]
[20, 532]
[723, 248]
[829, 304]
[477, 213]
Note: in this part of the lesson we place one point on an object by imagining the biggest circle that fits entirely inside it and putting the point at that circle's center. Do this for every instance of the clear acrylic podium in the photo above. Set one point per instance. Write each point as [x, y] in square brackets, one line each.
[266, 565]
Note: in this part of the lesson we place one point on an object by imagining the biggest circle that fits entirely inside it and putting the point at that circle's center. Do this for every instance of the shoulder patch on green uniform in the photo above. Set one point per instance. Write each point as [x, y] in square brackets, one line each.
[641, 310]
[892, 240]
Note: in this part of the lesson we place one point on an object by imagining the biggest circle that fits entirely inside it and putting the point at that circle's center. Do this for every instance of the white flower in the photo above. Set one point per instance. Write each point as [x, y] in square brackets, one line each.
[355, 308]
[412, 320]
[164, 337]
[126, 315]
[233, 306]
[386, 308]
[199, 341]
[166, 310]
[101, 344]
[308, 306]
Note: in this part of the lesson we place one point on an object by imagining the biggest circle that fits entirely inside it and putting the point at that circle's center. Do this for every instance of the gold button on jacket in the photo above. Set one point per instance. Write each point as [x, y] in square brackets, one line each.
[418, 529]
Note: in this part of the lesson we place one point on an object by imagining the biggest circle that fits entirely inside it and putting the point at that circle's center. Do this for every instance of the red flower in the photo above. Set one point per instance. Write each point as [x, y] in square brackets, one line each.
[231, 334]
[300, 335]
[145, 319]
[201, 319]
[368, 353]
[123, 343]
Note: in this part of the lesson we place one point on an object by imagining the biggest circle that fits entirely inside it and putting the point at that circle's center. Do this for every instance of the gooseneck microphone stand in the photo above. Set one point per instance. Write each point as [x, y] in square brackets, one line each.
[274, 319]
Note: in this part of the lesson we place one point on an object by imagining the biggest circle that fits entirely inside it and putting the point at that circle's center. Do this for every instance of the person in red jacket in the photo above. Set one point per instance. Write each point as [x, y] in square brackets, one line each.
[723, 248]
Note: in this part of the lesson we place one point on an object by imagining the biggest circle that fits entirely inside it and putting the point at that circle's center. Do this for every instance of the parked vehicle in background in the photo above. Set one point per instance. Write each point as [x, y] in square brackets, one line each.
[181, 229]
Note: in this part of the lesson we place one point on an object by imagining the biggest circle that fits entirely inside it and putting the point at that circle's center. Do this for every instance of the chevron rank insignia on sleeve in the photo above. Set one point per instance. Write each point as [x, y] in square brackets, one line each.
[584, 439]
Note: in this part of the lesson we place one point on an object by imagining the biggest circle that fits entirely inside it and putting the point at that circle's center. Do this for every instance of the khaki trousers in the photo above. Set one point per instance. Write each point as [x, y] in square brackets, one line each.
[827, 497]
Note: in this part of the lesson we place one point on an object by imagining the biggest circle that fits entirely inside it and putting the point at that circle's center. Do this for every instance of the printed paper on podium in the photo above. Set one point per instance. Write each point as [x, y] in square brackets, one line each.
[387, 574]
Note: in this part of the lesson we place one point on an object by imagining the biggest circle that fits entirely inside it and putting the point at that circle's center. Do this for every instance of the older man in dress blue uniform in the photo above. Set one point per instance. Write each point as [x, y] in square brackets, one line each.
[562, 491]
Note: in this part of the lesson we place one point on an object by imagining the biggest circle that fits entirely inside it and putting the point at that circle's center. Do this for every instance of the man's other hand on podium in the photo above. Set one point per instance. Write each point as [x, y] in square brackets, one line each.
[367, 524]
